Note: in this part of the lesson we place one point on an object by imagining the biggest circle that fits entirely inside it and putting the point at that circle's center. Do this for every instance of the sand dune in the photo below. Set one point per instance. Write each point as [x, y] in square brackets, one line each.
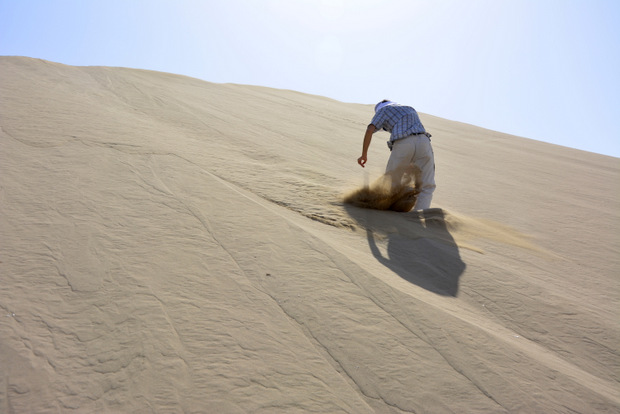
[173, 245]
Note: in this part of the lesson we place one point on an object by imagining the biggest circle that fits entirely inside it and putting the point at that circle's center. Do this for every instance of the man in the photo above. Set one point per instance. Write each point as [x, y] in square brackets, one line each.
[410, 145]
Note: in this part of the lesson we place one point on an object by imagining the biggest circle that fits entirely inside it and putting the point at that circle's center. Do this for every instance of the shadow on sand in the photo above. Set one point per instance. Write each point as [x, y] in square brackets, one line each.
[418, 245]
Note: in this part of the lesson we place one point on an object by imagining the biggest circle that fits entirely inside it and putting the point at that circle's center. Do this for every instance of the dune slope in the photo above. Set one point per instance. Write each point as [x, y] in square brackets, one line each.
[173, 245]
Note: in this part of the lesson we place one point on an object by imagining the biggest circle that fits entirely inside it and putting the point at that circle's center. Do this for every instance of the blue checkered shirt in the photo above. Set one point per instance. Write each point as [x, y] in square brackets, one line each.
[399, 120]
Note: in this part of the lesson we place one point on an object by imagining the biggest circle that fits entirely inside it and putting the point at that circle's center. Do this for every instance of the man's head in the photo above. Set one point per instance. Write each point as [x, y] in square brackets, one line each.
[383, 103]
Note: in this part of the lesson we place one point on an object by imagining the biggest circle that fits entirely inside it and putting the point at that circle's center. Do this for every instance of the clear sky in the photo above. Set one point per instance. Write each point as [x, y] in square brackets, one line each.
[542, 69]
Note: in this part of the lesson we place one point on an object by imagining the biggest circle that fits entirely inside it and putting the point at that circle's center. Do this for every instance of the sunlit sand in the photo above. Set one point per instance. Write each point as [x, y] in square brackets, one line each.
[174, 245]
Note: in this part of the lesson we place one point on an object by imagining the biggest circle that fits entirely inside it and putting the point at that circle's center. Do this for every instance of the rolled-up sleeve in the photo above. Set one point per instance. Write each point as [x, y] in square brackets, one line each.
[379, 119]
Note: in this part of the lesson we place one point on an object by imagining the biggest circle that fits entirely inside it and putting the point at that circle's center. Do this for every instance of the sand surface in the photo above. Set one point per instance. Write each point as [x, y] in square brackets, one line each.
[173, 245]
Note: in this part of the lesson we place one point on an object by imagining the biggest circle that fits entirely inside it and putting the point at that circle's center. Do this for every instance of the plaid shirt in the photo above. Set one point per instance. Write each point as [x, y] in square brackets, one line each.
[399, 120]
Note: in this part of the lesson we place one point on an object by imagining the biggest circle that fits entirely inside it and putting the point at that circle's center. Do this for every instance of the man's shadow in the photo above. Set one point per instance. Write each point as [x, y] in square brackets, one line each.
[418, 246]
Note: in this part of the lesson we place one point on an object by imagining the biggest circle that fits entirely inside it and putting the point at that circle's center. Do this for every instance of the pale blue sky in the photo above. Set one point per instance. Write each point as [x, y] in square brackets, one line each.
[542, 69]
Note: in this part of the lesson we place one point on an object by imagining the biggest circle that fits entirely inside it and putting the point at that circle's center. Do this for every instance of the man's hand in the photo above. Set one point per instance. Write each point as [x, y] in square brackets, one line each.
[367, 138]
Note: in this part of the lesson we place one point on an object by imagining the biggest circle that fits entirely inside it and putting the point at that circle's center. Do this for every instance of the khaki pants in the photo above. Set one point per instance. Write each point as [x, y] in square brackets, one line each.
[414, 153]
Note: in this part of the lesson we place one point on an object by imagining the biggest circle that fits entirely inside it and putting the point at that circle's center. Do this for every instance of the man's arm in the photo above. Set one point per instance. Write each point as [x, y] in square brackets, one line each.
[367, 138]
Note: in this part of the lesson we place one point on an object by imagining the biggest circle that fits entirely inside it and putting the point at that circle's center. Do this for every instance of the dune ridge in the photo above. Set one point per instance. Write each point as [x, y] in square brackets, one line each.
[174, 245]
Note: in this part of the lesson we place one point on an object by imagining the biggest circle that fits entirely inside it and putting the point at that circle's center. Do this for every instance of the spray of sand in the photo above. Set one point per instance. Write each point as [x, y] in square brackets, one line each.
[386, 193]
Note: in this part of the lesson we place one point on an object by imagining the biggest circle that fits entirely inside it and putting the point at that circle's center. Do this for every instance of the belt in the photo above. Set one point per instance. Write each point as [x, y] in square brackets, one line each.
[390, 143]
